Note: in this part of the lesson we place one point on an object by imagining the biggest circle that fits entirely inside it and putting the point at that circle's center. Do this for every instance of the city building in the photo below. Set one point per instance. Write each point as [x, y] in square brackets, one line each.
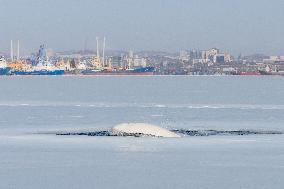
[117, 62]
[184, 56]
[209, 55]
[222, 58]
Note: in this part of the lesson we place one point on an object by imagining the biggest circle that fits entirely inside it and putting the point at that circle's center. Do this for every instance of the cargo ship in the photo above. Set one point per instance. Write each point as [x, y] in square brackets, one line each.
[269, 71]
[135, 71]
[40, 72]
[280, 73]
[246, 73]
[4, 69]
[43, 66]
[249, 73]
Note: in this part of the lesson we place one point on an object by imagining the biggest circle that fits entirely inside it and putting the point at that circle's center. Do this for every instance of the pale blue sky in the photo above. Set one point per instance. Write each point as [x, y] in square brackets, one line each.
[246, 26]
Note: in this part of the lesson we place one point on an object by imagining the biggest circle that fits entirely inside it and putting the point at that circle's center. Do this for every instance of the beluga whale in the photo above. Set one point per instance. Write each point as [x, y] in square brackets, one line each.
[142, 129]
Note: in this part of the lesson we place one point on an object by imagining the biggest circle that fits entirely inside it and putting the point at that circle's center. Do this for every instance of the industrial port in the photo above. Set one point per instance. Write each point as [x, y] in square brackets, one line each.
[101, 62]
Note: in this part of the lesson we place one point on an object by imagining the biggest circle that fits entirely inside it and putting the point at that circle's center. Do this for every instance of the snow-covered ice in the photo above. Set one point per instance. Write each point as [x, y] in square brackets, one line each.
[32, 156]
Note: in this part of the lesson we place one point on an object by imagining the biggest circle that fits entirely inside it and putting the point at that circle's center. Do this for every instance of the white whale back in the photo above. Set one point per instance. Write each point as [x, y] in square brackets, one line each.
[142, 129]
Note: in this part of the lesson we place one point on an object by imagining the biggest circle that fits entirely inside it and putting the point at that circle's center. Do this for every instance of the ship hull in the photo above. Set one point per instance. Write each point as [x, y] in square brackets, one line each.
[5, 71]
[118, 74]
[250, 73]
[42, 72]
[138, 72]
[247, 73]
[271, 73]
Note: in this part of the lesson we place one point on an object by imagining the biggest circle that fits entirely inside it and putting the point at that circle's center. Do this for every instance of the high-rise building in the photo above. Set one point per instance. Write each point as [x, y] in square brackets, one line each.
[222, 58]
[117, 62]
[195, 54]
[131, 54]
[219, 58]
[210, 54]
[183, 55]
[227, 57]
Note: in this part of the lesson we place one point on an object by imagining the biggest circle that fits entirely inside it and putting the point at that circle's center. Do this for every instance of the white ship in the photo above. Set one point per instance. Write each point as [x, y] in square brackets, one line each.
[4, 69]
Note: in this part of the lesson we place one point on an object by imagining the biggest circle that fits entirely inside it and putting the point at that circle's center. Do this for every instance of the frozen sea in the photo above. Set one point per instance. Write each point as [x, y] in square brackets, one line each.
[245, 116]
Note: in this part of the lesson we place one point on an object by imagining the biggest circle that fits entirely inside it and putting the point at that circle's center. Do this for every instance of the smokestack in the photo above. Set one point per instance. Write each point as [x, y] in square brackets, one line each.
[98, 51]
[18, 51]
[104, 46]
[11, 51]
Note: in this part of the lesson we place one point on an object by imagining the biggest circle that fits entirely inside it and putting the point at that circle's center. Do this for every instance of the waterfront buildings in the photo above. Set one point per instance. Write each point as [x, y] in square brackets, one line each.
[190, 62]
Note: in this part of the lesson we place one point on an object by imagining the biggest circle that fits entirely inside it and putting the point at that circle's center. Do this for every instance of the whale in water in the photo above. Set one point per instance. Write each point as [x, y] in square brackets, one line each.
[142, 129]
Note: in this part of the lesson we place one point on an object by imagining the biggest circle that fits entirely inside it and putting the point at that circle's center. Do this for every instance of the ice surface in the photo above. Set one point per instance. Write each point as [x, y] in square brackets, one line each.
[34, 109]
[91, 162]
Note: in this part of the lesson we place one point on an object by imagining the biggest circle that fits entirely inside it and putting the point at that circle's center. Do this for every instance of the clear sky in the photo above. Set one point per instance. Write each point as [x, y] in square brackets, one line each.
[247, 26]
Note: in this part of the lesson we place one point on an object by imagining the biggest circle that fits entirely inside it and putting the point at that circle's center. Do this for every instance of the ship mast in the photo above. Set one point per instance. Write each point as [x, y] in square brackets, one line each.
[18, 51]
[11, 51]
[98, 51]
[104, 46]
